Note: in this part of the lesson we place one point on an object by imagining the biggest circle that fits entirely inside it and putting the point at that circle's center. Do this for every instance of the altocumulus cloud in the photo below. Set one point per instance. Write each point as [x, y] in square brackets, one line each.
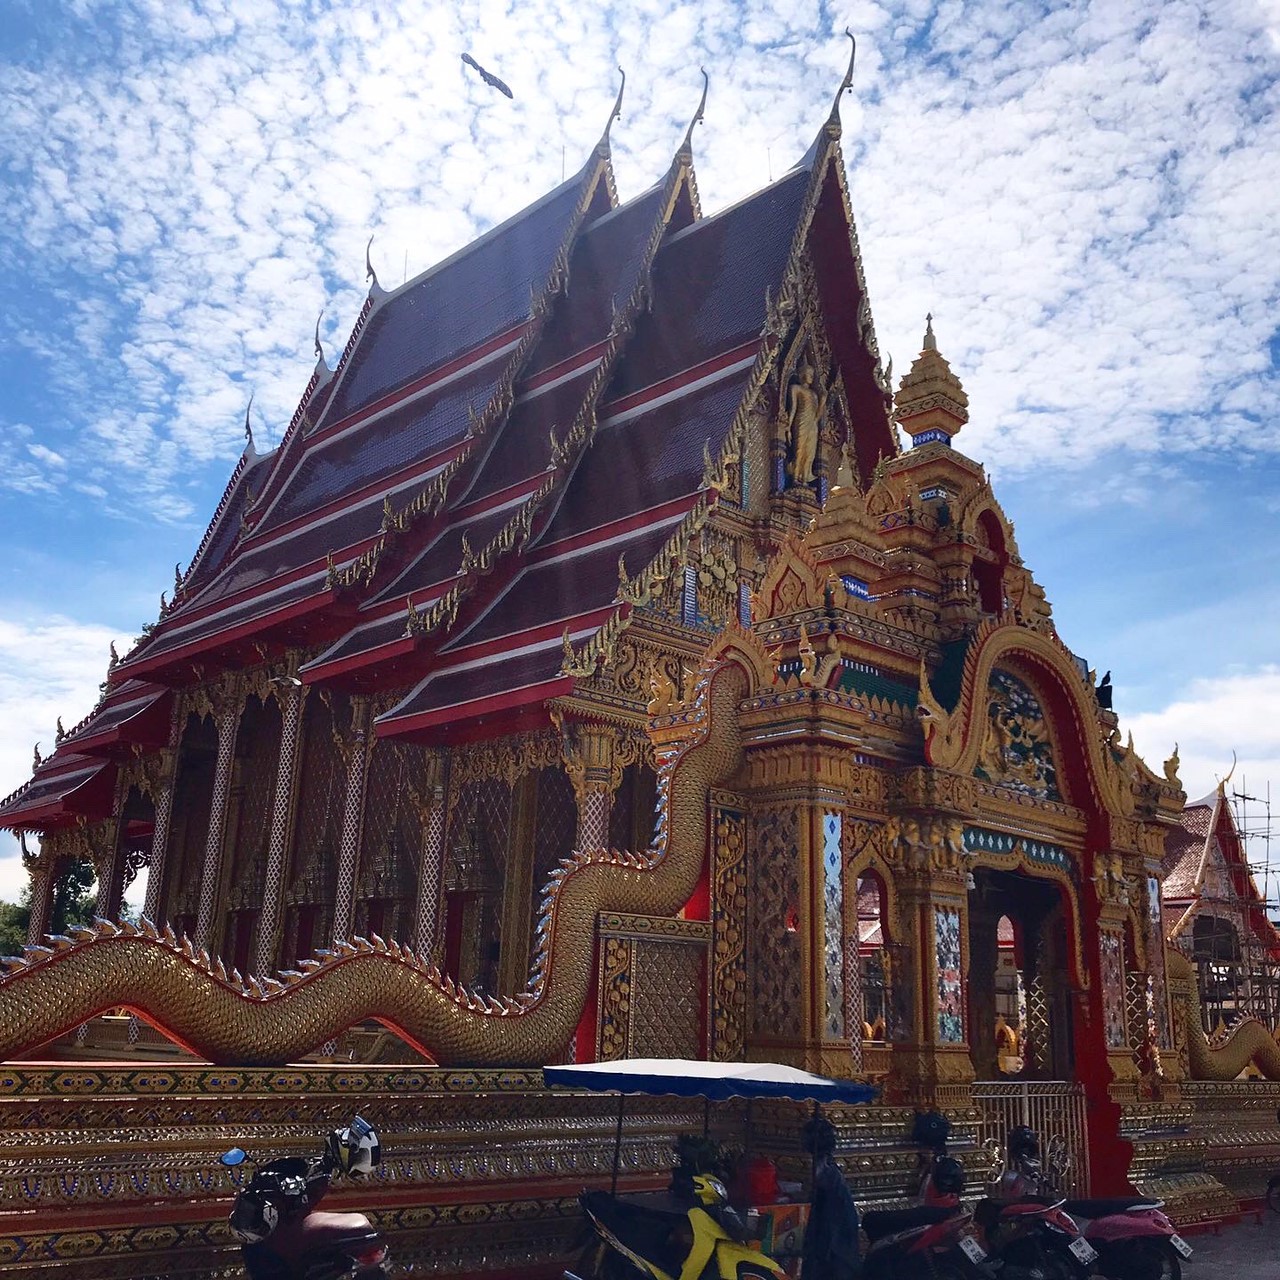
[1083, 192]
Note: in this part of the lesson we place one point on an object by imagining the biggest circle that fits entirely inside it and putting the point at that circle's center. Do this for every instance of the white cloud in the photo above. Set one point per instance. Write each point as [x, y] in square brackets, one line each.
[1215, 718]
[1082, 195]
[48, 666]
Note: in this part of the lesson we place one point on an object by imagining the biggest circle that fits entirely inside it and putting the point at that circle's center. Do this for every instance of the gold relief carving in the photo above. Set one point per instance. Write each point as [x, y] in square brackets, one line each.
[729, 922]
[612, 924]
[775, 968]
[504, 758]
[616, 961]
[1110, 882]
[931, 789]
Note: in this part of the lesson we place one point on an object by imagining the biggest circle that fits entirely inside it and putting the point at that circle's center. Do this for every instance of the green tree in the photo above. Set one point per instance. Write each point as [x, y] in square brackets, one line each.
[73, 902]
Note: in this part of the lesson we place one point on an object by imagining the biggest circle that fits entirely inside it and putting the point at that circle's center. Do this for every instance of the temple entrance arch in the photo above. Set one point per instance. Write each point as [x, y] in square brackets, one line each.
[1020, 1006]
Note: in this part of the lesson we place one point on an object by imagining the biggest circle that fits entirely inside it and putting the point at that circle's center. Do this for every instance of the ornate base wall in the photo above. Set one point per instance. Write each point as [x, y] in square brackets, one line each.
[112, 1171]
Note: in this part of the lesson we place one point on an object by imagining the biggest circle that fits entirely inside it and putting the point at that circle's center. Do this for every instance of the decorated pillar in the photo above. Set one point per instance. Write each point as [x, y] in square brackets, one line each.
[43, 869]
[267, 941]
[102, 842]
[159, 777]
[727, 1023]
[589, 759]
[798, 950]
[428, 910]
[355, 749]
[226, 718]
[931, 1064]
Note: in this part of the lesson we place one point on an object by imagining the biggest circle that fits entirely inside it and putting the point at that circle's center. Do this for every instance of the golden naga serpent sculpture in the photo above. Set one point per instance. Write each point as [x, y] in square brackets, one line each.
[180, 990]
[1248, 1042]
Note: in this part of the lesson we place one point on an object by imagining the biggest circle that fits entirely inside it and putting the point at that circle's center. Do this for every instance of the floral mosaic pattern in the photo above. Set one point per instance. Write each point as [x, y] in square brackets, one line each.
[1113, 992]
[1157, 1002]
[946, 954]
[833, 924]
[1016, 751]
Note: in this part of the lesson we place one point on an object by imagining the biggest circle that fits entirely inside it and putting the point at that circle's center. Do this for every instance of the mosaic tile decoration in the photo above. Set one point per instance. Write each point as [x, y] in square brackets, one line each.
[946, 954]
[1111, 945]
[833, 925]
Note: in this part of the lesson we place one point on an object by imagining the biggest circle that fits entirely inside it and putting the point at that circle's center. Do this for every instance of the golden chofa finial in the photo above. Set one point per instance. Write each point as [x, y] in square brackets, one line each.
[846, 84]
[930, 342]
[615, 114]
[686, 147]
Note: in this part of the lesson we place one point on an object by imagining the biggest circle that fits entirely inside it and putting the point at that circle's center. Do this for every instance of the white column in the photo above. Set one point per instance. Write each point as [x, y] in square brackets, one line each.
[164, 781]
[43, 870]
[267, 940]
[227, 721]
[429, 907]
[356, 753]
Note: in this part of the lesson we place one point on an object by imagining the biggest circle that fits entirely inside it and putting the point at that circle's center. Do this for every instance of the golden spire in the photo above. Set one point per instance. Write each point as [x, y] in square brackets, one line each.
[931, 403]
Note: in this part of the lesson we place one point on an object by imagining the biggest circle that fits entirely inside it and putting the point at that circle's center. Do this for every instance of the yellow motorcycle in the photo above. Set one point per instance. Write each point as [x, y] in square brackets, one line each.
[669, 1238]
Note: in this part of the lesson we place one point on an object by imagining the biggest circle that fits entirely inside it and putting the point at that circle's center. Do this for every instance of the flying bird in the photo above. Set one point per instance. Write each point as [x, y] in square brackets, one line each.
[487, 76]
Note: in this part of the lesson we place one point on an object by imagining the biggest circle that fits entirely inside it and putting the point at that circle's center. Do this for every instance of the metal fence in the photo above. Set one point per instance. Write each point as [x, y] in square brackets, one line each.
[1055, 1109]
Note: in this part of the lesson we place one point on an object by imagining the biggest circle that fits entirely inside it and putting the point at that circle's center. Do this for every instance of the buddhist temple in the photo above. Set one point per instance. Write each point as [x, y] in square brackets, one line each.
[611, 660]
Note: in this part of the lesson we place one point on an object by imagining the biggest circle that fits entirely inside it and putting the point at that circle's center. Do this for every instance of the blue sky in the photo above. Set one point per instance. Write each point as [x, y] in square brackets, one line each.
[1083, 194]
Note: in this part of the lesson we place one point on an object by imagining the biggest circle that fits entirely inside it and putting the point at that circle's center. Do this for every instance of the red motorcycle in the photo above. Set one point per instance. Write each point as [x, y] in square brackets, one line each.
[1132, 1238]
[934, 1241]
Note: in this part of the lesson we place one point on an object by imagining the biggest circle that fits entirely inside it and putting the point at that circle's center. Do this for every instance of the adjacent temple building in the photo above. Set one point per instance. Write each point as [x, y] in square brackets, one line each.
[591, 668]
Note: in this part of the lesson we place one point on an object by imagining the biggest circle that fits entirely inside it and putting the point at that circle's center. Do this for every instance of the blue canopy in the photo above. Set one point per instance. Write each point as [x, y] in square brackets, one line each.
[685, 1078]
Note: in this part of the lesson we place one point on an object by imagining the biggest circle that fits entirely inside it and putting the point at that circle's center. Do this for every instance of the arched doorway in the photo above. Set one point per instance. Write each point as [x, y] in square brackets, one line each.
[1020, 1008]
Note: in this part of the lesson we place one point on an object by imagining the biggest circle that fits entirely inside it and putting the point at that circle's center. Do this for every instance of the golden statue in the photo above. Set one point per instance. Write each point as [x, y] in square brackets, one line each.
[806, 406]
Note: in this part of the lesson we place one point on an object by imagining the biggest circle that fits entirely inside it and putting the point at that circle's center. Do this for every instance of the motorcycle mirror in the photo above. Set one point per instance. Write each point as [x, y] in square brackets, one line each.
[232, 1158]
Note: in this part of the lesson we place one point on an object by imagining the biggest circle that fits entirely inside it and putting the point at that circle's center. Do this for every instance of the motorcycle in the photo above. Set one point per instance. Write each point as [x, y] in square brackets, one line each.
[933, 1241]
[671, 1237]
[1131, 1237]
[284, 1236]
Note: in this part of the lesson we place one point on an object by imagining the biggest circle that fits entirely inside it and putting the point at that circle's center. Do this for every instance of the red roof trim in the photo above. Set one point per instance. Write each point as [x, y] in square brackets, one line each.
[212, 639]
[615, 408]
[566, 368]
[386, 652]
[491, 705]
[602, 533]
[280, 581]
[531, 636]
[392, 398]
[421, 470]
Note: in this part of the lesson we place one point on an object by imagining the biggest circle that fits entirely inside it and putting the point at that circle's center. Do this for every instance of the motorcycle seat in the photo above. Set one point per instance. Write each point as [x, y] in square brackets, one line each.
[1106, 1207]
[888, 1222]
[647, 1231]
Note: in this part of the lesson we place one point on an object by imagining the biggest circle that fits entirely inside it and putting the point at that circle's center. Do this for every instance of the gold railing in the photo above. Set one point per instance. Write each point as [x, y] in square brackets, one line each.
[1055, 1109]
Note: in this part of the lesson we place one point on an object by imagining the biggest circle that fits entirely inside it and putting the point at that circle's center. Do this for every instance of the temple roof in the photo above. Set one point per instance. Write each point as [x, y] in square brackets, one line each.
[1205, 866]
[499, 431]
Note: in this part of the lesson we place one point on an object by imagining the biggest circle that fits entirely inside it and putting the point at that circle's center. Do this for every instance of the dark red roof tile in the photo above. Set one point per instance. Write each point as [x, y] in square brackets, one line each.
[377, 449]
[563, 588]
[709, 285]
[648, 459]
[482, 290]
